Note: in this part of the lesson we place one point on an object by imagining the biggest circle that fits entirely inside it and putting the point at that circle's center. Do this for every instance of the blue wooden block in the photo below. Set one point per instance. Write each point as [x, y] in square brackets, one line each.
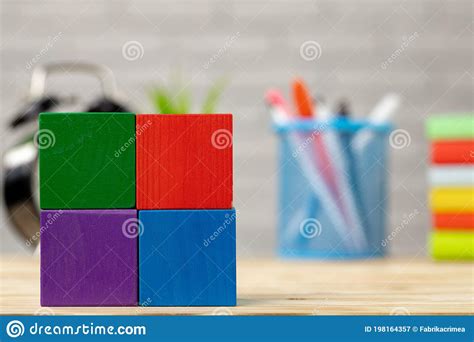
[187, 258]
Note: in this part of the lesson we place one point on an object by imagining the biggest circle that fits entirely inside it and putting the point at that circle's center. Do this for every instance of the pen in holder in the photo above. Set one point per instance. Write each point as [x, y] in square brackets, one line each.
[315, 221]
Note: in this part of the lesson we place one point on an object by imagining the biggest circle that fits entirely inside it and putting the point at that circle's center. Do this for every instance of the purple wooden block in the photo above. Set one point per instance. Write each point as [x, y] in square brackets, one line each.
[89, 258]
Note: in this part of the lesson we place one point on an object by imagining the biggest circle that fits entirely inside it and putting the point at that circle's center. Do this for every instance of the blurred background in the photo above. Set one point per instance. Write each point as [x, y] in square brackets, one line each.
[419, 49]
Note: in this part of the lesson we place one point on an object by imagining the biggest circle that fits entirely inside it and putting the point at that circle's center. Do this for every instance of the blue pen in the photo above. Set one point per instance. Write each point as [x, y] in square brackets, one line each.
[342, 175]
[345, 137]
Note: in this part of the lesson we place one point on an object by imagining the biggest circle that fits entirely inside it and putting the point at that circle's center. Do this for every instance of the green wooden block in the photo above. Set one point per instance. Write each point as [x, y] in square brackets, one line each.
[451, 127]
[86, 160]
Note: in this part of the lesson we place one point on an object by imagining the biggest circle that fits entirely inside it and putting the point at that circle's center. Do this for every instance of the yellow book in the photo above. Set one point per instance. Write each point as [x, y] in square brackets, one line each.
[452, 246]
[445, 200]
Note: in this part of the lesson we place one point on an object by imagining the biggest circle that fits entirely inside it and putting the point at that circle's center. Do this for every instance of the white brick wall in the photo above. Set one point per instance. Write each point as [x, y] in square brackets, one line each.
[434, 74]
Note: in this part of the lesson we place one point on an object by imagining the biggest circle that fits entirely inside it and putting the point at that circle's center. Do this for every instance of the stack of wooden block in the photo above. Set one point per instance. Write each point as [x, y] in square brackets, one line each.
[136, 209]
[451, 177]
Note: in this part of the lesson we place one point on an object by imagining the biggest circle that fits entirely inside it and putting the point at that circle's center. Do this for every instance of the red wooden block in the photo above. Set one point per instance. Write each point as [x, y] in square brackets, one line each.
[184, 161]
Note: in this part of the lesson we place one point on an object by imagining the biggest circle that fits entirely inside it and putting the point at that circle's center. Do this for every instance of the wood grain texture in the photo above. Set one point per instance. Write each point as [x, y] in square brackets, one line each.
[184, 161]
[452, 152]
[273, 287]
[89, 258]
[88, 161]
[187, 258]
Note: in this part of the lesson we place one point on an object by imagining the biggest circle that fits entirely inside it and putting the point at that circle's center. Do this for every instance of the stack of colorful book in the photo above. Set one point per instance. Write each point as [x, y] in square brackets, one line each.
[451, 178]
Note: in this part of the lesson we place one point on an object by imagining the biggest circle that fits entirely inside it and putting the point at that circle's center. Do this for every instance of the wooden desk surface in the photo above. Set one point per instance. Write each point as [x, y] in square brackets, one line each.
[275, 287]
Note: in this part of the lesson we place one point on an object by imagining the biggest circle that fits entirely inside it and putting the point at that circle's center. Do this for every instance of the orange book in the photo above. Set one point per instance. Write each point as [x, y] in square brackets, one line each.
[453, 221]
[453, 152]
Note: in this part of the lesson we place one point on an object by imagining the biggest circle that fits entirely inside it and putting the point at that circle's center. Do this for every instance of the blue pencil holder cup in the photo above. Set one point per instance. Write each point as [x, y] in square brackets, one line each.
[332, 189]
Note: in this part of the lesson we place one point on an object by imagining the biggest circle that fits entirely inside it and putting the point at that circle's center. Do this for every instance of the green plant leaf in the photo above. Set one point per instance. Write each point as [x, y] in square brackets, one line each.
[183, 101]
[162, 101]
[213, 95]
[176, 99]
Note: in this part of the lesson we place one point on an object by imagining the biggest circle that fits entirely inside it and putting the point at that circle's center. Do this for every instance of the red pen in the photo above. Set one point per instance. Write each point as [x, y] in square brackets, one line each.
[305, 108]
